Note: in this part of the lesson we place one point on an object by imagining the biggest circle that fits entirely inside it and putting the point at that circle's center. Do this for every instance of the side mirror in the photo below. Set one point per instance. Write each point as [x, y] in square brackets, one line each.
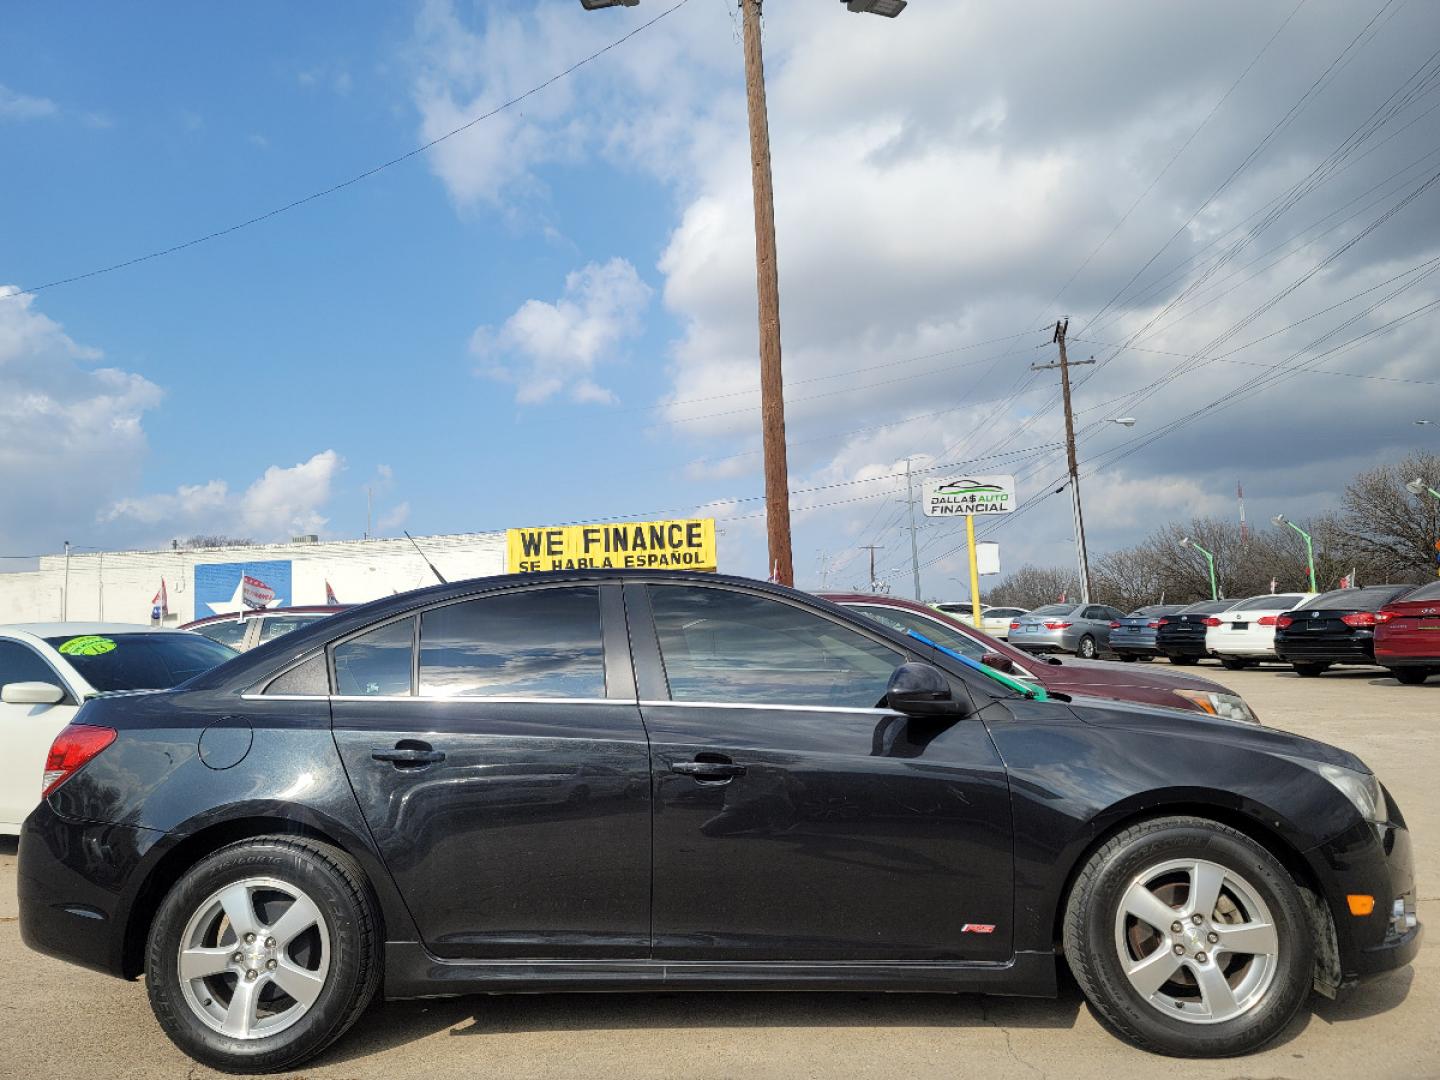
[998, 662]
[31, 693]
[920, 690]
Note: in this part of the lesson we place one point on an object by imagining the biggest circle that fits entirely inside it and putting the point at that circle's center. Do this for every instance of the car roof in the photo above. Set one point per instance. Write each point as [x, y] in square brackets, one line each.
[76, 629]
[255, 613]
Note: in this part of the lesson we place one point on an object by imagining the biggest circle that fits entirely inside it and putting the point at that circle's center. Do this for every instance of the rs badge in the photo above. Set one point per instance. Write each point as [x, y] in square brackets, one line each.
[978, 928]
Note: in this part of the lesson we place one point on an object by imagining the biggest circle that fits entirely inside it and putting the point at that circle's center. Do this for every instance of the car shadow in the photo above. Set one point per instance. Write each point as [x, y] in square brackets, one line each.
[393, 1024]
[9, 845]
[1377, 996]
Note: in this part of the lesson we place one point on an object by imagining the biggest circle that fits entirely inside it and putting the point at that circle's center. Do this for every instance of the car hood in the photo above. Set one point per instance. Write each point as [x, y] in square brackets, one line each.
[1104, 712]
[1108, 673]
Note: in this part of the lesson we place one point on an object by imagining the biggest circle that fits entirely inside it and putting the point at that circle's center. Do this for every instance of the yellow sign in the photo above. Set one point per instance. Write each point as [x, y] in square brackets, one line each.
[641, 545]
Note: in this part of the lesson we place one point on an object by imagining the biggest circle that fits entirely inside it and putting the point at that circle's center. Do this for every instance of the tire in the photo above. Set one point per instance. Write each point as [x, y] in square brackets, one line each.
[1127, 657]
[1252, 996]
[1411, 676]
[1234, 663]
[1087, 649]
[1184, 661]
[1312, 670]
[333, 958]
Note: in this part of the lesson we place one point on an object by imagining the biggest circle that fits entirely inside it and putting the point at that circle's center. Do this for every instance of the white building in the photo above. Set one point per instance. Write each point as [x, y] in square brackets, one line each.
[119, 586]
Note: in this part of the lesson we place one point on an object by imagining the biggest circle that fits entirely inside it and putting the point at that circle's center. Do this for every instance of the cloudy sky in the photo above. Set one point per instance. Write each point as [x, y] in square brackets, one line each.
[551, 315]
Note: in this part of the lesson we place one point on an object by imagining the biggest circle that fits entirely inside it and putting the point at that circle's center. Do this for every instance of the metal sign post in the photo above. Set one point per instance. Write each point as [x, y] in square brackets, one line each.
[970, 497]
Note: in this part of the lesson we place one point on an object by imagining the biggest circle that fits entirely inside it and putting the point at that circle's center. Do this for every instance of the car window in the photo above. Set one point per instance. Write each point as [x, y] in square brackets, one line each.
[725, 646]
[1053, 609]
[1004, 612]
[144, 660]
[1425, 592]
[230, 632]
[378, 663]
[1095, 612]
[902, 619]
[536, 643]
[273, 626]
[1266, 603]
[20, 663]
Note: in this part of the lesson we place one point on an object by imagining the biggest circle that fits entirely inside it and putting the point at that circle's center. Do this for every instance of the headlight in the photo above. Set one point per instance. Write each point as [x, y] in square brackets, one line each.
[1362, 789]
[1225, 706]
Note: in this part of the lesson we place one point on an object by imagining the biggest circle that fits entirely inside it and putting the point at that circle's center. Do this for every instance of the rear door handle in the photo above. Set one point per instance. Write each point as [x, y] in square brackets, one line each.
[708, 770]
[402, 756]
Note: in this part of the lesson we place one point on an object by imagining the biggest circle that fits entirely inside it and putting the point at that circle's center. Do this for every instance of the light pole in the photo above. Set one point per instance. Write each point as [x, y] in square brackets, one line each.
[1209, 560]
[1281, 519]
[1419, 487]
[772, 386]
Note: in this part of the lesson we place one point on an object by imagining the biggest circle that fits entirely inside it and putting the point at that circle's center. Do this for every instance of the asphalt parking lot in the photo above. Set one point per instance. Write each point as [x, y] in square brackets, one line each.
[62, 1022]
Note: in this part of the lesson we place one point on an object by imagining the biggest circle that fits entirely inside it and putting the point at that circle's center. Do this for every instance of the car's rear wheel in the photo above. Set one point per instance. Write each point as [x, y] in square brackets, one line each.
[1189, 939]
[263, 954]
[1184, 661]
[1412, 676]
[1087, 649]
[1311, 670]
[1235, 663]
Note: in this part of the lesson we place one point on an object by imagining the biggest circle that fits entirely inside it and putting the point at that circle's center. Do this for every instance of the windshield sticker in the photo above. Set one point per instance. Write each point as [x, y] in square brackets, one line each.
[88, 645]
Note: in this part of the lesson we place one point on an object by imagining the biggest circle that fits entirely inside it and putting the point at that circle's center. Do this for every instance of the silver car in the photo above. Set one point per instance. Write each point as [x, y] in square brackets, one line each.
[1082, 629]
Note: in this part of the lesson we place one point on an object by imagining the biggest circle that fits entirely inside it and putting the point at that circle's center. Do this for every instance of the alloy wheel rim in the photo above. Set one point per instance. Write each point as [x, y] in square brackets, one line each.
[254, 958]
[1196, 941]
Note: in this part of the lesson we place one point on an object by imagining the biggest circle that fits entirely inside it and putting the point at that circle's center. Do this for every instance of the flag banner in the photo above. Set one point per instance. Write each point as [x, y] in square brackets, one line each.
[330, 597]
[254, 593]
[160, 606]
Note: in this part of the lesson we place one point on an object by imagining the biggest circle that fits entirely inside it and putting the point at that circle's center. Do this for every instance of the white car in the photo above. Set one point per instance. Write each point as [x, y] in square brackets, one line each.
[1245, 634]
[994, 621]
[47, 670]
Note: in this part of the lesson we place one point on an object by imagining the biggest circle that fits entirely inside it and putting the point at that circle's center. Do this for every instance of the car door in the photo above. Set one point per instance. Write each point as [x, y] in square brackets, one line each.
[497, 752]
[26, 731]
[796, 819]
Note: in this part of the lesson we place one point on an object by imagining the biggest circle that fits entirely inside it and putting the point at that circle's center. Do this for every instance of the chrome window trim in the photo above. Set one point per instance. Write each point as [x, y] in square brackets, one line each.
[441, 700]
[769, 707]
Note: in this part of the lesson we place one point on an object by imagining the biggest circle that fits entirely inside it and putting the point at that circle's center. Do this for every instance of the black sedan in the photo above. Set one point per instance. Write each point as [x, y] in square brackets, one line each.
[650, 780]
[1180, 636]
[1334, 628]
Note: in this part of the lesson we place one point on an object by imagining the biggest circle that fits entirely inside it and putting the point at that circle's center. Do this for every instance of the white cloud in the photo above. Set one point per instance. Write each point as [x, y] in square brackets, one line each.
[17, 106]
[395, 517]
[281, 503]
[547, 348]
[71, 433]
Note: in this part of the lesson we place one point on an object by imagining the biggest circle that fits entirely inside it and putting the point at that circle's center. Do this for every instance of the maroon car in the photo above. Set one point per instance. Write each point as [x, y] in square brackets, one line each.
[245, 629]
[1094, 678]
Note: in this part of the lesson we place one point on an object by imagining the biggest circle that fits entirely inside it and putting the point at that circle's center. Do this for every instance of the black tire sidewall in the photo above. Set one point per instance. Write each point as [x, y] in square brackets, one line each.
[327, 1017]
[1136, 1018]
[1087, 653]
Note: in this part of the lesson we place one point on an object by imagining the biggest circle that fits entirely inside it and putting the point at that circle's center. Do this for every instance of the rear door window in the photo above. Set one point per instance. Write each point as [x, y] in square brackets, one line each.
[537, 643]
[378, 663]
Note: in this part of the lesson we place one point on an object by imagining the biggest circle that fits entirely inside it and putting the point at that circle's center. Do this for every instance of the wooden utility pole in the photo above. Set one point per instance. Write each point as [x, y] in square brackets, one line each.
[1064, 365]
[872, 548]
[914, 543]
[772, 386]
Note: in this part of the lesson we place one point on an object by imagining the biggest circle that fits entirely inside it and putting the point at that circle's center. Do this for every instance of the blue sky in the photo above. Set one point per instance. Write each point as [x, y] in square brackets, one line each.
[514, 329]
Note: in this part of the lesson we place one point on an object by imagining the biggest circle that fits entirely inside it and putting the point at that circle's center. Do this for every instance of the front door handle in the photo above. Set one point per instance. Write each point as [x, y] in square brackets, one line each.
[402, 756]
[708, 770]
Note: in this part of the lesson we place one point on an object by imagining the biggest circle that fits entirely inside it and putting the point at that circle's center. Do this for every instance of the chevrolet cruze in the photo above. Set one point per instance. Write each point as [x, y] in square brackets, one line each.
[632, 781]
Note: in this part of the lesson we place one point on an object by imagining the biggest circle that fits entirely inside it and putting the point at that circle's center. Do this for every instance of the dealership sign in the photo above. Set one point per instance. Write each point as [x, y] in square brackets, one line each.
[642, 545]
[964, 495]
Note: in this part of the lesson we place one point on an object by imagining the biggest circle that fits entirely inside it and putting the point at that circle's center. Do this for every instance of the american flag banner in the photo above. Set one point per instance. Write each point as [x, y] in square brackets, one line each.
[330, 597]
[254, 593]
[160, 605]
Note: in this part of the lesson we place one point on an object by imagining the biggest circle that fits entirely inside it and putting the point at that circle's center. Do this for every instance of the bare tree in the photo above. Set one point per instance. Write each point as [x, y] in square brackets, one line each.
[1385, 527]
[1032, 586]
[213, 541]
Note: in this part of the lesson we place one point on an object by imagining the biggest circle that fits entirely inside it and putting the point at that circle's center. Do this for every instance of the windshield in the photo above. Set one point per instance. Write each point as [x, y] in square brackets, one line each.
[141, 660]
[1369, 599]
[1053, 609]
[1266, 603]
[1207, 607]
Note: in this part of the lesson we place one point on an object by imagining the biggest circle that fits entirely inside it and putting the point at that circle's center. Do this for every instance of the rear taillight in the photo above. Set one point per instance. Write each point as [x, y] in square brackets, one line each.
[1162, 622]
[1267, 620]
[1015, 625]
[1058, 625]
[70, 751]
[1385, 616]
[1359, 618]
[1114, 626]
[1211, 621]
[1283, 622]
[1153, 625]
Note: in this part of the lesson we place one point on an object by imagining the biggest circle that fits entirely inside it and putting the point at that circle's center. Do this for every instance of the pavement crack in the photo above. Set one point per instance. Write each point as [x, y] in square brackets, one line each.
[1009, 1045]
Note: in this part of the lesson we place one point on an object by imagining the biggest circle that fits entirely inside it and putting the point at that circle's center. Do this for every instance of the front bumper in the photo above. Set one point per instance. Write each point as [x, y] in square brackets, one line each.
[1371, 860]
[76, 886]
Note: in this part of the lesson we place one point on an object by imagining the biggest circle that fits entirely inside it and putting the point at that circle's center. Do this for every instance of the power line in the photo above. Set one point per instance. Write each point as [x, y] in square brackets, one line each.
[358, 177]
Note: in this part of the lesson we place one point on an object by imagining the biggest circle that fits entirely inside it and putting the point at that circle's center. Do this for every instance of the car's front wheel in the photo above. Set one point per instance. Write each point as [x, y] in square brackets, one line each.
[263, 954]
[1189, 939]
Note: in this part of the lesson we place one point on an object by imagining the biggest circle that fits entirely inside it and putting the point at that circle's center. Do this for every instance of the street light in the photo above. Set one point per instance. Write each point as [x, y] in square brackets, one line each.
[1210, 561]
[1419, 487]
[1124, 421]
[1281, 519]
[772, 385]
